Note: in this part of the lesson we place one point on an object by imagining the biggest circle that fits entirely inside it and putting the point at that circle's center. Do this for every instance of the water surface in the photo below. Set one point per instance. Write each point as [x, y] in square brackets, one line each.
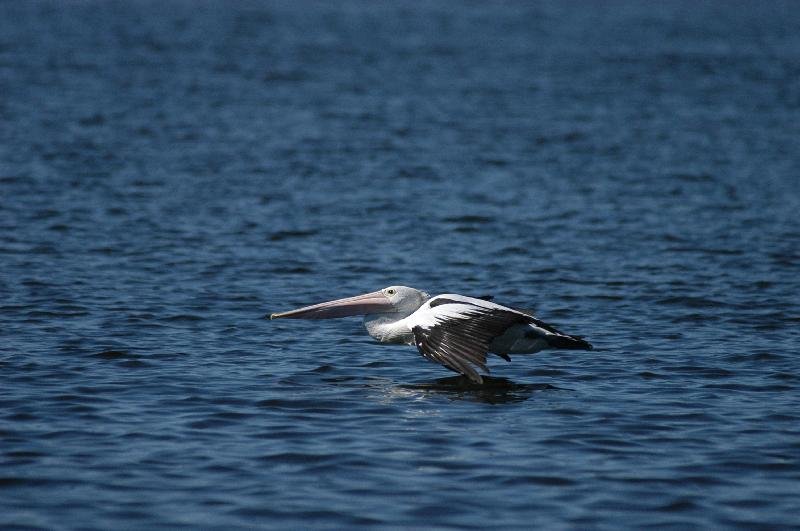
[171, 172]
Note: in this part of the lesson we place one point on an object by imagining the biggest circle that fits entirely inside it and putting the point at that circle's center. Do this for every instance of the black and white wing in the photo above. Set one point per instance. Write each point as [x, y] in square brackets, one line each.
[456, 331]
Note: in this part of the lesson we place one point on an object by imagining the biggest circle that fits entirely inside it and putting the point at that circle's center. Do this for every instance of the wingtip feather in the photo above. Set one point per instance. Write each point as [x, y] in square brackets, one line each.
[569, 342]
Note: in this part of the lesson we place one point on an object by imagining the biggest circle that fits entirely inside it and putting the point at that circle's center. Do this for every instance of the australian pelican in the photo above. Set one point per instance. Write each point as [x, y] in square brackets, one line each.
[453, 330]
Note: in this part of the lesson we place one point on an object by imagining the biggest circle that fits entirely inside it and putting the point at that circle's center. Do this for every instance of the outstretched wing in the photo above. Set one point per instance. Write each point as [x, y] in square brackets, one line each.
[457, 332]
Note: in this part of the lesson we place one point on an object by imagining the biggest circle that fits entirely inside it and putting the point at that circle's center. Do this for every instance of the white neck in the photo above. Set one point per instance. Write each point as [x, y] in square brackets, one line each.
[389, 328]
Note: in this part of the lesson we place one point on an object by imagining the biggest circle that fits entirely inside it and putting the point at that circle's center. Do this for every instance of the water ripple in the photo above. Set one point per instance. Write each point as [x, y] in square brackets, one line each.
[170, 176]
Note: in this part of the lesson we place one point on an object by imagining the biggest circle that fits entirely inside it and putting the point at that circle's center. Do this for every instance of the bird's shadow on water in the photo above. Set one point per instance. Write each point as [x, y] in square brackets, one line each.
[491, 391]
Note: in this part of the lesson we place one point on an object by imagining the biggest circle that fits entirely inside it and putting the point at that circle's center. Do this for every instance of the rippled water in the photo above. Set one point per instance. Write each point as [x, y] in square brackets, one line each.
[171, 173]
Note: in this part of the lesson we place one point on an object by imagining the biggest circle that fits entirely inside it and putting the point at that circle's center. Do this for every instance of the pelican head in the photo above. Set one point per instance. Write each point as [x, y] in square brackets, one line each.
[391, 300]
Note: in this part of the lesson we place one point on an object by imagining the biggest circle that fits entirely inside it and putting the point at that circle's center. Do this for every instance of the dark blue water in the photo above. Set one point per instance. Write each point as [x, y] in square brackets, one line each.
[172, 171]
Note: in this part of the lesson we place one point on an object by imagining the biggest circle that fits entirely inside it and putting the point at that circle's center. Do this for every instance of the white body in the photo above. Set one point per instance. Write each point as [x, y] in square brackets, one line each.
[397, 328]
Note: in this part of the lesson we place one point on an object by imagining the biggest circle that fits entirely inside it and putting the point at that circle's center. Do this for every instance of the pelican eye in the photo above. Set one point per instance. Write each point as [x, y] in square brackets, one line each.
[390, 291]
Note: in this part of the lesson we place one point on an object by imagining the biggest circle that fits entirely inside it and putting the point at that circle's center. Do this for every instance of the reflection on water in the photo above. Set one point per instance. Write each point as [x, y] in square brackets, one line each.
[491, 391]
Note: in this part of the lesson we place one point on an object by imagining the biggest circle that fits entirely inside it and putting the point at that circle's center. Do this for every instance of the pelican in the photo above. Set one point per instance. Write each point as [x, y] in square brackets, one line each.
[453, 330]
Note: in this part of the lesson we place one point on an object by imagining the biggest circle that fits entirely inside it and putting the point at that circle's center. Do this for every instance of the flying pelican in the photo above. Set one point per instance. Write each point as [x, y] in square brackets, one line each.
[453, 330]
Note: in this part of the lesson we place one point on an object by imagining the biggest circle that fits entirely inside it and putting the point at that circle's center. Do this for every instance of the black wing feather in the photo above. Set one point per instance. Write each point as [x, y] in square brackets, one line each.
[457, 343]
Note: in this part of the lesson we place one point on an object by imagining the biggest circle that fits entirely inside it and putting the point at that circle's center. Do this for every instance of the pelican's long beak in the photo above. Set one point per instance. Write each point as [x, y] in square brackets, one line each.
[375, 302]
